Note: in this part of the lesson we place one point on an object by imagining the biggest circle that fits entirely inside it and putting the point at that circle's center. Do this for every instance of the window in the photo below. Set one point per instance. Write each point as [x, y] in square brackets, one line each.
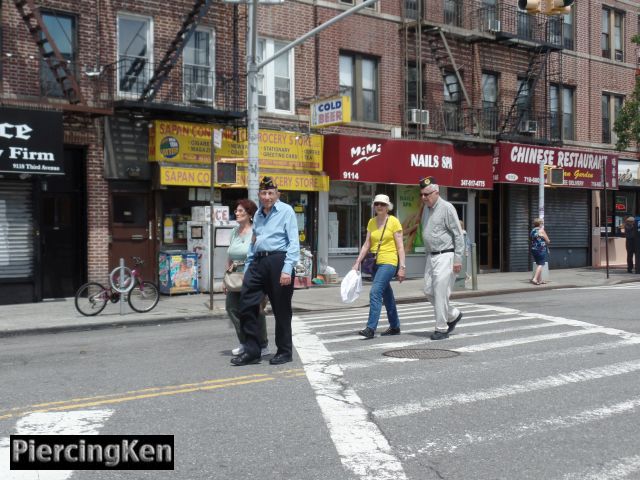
[611, 105]
[568, 31]
[413, 95]
[375, 6]
[134, 54]
[275, 80]
[453, 12]
[359, 80]
[199, 73]
[62, 29]
[561, 107]
[612, 43]
[452, 113]
[490, 101]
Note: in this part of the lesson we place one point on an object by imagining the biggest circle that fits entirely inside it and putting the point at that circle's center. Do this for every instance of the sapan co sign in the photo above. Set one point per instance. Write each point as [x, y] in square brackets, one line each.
[31, 142]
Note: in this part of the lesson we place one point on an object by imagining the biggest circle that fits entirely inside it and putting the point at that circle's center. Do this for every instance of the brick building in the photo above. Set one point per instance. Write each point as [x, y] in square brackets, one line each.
[473, 93]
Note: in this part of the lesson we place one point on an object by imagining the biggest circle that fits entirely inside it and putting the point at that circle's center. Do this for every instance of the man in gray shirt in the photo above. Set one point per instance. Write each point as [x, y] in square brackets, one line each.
[444, 248]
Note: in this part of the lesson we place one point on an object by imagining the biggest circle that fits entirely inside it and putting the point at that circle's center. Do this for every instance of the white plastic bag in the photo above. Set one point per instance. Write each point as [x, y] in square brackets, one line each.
[351, 286]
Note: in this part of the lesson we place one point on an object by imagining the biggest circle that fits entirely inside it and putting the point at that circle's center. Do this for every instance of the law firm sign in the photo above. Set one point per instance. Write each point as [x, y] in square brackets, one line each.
[31, 142]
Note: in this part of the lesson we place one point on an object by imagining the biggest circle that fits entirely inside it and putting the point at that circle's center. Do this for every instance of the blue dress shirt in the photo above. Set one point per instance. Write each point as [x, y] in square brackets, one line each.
[277, 231]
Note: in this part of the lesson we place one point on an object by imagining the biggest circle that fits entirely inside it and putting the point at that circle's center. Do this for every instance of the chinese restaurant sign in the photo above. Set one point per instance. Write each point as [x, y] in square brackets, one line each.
[31, 142]
[520, 164]
[405, 162]
[182, 142]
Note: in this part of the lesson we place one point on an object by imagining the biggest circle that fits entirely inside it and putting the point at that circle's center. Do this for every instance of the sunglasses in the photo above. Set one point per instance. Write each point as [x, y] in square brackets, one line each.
[427, 194]
[379, 204]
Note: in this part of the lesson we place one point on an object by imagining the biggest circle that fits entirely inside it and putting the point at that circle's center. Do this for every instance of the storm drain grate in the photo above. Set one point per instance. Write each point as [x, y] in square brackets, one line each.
[421, 353]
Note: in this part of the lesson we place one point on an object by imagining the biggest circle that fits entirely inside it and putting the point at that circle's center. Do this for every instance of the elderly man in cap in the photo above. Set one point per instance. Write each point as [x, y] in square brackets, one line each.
[269, 270]
[444, 248]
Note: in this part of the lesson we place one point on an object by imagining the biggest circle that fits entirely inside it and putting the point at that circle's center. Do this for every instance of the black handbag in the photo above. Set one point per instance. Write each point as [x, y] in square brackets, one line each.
[368, 265]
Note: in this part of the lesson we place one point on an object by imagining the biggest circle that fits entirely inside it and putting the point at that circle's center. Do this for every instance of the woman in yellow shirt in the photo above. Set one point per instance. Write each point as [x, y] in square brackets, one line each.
[390, 259]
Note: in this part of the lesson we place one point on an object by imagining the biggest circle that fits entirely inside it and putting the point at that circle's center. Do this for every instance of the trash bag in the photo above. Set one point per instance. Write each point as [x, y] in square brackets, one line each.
[351, 286]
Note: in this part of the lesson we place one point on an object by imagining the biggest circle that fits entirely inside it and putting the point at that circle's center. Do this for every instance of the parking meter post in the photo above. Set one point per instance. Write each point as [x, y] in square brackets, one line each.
[121, 285]
[474, 268]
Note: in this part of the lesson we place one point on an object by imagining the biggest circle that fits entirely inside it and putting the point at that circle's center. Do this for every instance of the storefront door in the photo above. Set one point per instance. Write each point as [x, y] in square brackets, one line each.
[62, 228]
[131, 231]
[485, 237]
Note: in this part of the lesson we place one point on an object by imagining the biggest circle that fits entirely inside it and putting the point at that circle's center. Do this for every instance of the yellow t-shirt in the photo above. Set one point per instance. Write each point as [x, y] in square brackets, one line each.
[388, 252]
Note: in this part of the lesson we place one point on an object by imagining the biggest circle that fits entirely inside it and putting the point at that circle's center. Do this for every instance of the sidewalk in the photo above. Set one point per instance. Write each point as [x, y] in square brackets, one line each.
[60, 315]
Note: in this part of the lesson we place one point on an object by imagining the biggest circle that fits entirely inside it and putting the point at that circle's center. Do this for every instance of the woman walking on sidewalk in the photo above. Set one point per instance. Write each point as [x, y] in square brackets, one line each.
[237, 253]
[539, 242]
[384, 232]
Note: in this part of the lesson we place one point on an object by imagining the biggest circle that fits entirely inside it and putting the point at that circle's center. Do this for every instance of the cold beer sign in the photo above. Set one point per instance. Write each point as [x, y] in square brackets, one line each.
[331, 111]
[31, 142]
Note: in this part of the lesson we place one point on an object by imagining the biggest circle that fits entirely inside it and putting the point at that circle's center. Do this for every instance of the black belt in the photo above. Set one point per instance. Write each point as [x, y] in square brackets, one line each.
[448, 250]
[266, 254]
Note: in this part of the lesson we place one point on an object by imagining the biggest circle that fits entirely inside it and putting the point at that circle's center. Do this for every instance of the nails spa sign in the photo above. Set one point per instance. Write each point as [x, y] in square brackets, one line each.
[379, 160]
[31, 142]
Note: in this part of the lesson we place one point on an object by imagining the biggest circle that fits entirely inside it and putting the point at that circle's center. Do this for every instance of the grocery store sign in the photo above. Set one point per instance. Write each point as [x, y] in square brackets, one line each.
[201, 177]
[31, 142]
[183, 142]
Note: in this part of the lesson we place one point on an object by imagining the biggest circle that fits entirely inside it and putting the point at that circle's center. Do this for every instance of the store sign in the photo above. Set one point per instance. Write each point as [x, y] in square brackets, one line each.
[331, 111]
[520, 164]
[31, 142]
[380, 160]
[201, 177]
[628, 173]
[183, 142]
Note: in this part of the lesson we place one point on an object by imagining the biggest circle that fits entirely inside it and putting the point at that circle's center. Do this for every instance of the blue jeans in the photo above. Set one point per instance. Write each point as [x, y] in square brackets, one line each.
[381, 292]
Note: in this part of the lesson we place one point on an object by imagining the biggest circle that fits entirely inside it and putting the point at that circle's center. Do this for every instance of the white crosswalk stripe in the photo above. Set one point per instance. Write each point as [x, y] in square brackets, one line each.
[77, 422]
[489, 337]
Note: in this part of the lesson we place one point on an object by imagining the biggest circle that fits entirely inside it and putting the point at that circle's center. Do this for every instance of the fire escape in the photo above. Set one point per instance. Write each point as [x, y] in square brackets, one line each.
[62, 72]
[164, 88]
[465, 38]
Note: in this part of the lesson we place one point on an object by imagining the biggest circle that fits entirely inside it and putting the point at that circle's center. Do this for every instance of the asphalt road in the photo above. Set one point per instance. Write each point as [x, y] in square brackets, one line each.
[530, 387]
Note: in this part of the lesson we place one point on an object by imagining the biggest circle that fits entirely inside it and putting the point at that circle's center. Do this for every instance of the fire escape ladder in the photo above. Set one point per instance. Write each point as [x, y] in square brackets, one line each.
[535, 70]
[172, 55]
[49, 51]
[446, 62]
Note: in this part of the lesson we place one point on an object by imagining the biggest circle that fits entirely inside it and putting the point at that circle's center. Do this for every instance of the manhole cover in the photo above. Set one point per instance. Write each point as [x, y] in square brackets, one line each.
[421, 353]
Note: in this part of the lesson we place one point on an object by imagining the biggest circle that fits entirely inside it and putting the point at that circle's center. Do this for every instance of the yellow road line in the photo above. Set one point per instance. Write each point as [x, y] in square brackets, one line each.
[147, 393]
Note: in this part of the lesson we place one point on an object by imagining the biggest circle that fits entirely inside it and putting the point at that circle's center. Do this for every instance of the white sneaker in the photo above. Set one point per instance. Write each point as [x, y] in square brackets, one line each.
[239, 350]
[265, 351]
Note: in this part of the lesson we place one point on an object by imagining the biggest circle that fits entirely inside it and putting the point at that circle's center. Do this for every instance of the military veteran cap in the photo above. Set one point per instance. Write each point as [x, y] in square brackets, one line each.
[426, 181]
[267, 184]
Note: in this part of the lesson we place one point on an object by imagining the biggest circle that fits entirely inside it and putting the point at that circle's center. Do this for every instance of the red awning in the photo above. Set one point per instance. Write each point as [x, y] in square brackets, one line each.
[519, 163]
[377, 160]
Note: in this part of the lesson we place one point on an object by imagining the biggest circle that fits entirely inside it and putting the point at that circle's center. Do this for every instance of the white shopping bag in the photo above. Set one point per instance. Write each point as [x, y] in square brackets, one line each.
[351, 286]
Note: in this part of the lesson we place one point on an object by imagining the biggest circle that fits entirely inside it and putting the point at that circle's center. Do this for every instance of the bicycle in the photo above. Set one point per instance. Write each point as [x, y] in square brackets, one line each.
[142, 295]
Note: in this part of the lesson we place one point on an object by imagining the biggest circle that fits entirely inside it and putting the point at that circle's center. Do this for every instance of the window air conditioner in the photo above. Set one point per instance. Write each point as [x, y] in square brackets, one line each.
[529, 126]
[494, 25]
[262, 101]
[200, 92]
[417, 116]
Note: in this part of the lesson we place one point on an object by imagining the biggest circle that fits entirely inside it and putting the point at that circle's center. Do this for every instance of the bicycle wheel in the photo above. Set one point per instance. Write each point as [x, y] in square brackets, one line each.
[144, 296]
[91, 298]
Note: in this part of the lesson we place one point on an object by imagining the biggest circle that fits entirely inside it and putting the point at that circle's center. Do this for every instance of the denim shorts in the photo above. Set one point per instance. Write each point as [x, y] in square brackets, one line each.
[540, 258]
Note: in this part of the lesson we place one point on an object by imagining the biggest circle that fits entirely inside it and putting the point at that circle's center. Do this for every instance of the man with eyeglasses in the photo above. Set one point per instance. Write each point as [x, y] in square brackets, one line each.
[269, 270]
[444, 248]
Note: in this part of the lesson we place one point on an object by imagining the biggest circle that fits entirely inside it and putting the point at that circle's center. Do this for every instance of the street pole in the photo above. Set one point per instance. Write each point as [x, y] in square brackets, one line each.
[211, 217]
[606, 223]
[541, 191]
[252, 101]
[252, 82]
